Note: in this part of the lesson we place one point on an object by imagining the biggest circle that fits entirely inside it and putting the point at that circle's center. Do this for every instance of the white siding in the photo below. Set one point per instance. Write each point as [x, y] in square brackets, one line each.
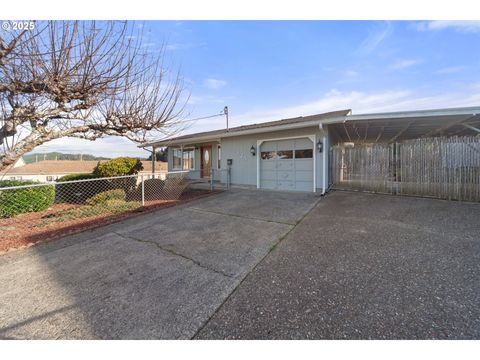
[244, 167]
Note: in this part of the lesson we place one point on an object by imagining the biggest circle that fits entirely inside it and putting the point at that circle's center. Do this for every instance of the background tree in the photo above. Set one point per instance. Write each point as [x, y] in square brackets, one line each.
[85, 80]
[160, 155]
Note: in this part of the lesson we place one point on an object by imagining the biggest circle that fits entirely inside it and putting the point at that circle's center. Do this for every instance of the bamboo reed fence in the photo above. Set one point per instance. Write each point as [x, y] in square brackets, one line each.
[444, 168]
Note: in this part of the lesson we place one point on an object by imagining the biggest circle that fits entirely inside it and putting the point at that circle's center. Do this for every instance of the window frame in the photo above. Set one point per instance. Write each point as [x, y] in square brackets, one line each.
[219, 156]
[303, 157]
[192, 158]
[179, 150]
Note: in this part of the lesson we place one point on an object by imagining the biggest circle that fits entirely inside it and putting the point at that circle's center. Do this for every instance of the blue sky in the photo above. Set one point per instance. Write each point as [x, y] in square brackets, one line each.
[268, 70]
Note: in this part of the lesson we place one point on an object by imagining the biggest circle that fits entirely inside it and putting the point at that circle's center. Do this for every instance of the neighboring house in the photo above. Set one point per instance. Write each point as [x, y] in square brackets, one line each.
[51, 170]
[296, 154]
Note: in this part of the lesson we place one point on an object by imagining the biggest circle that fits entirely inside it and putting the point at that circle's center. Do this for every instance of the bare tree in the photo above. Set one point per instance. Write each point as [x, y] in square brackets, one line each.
[85, 80]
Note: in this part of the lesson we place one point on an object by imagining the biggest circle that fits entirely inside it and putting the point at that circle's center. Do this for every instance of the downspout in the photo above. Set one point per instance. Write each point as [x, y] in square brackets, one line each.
[324, 160]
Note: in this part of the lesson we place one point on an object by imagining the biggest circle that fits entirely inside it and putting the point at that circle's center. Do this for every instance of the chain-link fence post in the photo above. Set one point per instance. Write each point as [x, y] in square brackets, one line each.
[143, 190]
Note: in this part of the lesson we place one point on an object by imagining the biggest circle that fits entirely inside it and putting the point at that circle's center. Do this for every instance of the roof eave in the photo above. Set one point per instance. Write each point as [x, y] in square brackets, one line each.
[226, 134]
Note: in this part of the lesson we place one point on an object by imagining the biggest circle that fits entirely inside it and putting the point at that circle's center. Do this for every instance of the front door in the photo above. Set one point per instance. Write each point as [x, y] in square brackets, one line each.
[206, 163]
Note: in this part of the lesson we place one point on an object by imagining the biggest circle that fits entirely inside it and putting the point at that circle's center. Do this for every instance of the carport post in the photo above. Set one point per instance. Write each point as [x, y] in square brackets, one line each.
[324, 165]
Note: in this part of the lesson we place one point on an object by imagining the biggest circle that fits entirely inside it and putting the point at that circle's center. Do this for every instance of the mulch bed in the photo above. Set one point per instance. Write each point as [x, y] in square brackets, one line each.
[26, 230]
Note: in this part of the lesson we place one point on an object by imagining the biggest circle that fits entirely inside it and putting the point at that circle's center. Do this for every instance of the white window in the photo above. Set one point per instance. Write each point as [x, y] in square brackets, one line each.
[188, 159]
[177, 159]
[219, 155]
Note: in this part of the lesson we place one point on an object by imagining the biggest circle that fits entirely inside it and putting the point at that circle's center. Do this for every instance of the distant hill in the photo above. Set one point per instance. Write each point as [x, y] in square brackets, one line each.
[31, 158]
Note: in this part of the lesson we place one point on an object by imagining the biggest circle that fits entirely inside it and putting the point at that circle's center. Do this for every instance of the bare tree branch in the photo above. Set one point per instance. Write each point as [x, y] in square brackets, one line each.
[84, 80]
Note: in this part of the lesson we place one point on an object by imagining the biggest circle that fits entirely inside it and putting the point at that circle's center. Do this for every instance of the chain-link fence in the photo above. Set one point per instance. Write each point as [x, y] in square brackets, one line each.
[210, 178]
[31, 209]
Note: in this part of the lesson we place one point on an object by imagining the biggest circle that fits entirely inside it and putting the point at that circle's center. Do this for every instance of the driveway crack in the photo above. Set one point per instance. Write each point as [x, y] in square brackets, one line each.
[173, 252]
[241, 216]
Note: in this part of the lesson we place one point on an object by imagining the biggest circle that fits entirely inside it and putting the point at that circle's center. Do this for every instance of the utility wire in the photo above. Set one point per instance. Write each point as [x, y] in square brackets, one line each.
[203, 117]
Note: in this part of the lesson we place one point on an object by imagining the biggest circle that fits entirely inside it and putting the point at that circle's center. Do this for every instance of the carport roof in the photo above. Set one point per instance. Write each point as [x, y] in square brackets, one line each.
[395, 126]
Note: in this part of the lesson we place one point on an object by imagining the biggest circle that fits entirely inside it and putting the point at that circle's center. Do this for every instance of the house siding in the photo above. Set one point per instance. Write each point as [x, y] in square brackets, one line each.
[244, 167]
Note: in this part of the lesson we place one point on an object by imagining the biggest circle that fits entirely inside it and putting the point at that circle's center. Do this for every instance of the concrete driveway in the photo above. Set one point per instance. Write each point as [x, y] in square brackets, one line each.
[364, 266]
[157, 276]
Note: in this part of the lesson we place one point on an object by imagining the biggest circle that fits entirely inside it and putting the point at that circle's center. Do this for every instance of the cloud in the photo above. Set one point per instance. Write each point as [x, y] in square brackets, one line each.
[458, 25]
[112, 146]
[375, 38]
[451, 70]
[214, 84]
[364, 102]
[405, 63]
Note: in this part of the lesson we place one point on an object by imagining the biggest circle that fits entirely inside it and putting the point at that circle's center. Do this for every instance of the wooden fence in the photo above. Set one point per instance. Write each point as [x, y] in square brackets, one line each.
[445, 168]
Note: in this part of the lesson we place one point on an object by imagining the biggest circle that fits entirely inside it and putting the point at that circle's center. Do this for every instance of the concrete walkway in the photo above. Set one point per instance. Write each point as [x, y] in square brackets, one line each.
[158, 276]
[364, 266]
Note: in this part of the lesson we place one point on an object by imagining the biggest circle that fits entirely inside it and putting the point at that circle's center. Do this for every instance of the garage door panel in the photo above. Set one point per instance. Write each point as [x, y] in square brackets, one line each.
[269, 175]
[286, 175]
[285, 185]
[285, 165]
[304, 185]
[269, 165]
[269, 184]
[281, 170]
[303, 176]
[304, 165]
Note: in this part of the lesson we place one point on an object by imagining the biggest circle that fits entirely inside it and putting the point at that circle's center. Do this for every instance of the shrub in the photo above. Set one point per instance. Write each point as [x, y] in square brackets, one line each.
[118, 167]
[73, 177]
[19, 201]
[77, 193]
[106, 203]
[106, 197]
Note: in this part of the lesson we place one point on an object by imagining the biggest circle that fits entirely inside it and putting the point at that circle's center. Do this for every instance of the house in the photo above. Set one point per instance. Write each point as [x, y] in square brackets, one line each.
[51, 170]
[296, 154]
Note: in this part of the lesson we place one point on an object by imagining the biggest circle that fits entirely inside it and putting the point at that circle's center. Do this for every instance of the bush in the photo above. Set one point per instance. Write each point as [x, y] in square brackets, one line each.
[77, 193]
[106, 197]
[118, 167]
[19, 201]
[73, 177]
[109, 204]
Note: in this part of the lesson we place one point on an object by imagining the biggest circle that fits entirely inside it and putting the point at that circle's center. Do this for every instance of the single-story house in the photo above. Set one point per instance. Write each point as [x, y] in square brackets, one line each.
[295, 154]
[52, 170]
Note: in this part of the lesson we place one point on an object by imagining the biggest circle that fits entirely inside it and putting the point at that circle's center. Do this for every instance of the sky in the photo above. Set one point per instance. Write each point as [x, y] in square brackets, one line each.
[270, 70]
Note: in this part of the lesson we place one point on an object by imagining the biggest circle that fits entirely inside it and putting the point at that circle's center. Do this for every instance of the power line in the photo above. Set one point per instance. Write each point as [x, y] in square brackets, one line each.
[203, 117]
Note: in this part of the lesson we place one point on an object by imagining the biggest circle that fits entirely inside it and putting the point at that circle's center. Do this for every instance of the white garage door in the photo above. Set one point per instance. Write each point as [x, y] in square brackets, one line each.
[287, 165]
